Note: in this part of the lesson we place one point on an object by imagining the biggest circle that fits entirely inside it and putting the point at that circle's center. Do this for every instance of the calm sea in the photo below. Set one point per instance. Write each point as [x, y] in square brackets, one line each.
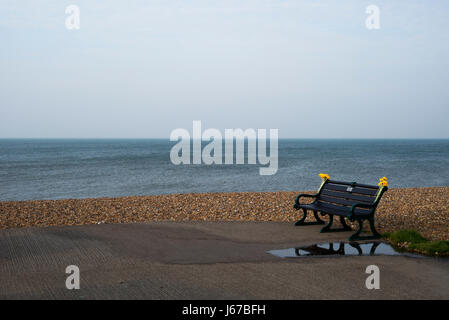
[56, 169]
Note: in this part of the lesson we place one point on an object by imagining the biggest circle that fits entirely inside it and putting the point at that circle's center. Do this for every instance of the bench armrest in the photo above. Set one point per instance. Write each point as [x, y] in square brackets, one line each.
[359, 205]
[306, 195]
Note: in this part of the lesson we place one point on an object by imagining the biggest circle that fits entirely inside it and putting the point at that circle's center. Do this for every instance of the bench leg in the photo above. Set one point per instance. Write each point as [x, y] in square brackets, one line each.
[301, 222]
[373, 229]
[327, 228]
[343, 223]
[357, 236]
[317, 217]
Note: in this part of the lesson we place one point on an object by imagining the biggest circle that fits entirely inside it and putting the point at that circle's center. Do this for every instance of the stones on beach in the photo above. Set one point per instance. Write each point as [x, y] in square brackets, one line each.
[423, 209]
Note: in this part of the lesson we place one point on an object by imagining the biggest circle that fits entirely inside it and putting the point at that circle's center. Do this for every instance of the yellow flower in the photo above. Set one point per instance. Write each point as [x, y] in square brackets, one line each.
[324, 176]
[383, 182]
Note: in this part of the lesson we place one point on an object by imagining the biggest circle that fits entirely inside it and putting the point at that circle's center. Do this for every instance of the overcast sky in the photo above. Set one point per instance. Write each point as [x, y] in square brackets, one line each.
[139, 69]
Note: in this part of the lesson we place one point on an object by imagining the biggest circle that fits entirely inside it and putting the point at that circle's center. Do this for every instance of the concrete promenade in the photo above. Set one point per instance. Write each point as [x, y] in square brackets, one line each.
[201, 260]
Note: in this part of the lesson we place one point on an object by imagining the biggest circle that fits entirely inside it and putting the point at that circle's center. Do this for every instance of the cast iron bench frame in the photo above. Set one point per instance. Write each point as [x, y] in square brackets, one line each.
[351, 200]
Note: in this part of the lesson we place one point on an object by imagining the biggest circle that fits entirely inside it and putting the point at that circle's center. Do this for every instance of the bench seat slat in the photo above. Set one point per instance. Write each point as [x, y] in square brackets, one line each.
[357, 190]
[338, 208]
[346, 195]
[332, 209]
[340, 201]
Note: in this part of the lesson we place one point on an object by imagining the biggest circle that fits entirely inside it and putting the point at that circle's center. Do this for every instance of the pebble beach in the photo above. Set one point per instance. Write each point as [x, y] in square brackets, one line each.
[423, 209]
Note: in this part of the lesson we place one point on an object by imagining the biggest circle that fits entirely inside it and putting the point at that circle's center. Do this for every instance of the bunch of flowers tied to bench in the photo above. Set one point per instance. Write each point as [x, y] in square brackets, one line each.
[324, 176]
[383, 182]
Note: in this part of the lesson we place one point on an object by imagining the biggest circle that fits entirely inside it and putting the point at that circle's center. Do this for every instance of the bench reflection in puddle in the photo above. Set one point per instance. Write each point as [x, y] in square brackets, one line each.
[338, 248]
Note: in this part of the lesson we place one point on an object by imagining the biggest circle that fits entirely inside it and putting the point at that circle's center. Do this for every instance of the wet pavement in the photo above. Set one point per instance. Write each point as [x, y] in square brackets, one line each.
[206, 260]
[371, 248]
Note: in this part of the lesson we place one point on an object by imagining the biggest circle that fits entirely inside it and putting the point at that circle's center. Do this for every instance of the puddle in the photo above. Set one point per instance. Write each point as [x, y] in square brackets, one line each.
[372, 248]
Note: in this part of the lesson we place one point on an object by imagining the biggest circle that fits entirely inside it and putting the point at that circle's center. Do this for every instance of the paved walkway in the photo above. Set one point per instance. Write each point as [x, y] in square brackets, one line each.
[201, 260]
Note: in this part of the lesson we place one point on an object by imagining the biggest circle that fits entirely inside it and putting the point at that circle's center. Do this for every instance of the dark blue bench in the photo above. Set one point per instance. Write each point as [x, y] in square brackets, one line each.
[351, 200]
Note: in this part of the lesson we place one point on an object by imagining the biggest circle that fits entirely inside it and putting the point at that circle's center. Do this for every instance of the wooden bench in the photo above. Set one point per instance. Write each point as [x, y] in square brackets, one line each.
[351, 200]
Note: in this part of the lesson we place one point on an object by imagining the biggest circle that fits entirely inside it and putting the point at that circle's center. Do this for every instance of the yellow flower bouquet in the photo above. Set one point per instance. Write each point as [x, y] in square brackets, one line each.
[324, 176]
[383, 182]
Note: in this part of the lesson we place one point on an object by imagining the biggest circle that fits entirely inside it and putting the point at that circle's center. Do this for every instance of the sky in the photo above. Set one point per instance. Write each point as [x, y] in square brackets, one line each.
[140, 69]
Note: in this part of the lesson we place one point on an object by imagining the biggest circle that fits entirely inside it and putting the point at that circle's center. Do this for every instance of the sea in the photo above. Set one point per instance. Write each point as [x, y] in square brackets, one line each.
[34, 169]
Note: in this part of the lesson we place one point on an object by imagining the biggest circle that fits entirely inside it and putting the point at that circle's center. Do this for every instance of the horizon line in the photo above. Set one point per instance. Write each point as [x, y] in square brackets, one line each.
[158, 138]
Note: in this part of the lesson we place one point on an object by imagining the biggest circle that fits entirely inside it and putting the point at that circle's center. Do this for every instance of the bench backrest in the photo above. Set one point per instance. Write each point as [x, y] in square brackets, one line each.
[335, 194]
